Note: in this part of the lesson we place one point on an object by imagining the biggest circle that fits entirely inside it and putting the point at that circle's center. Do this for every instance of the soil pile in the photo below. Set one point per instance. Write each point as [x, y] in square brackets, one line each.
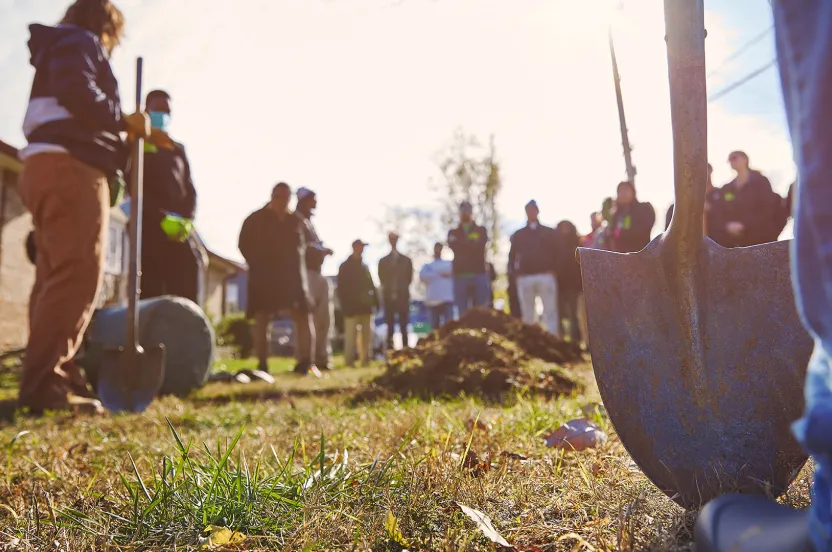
[485, 353]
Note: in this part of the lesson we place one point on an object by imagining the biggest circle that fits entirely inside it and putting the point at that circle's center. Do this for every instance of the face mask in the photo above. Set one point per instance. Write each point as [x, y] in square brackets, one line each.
[160, 120]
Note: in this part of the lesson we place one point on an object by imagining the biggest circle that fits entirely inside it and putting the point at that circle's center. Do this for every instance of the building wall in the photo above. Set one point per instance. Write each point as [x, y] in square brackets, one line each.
[214, 293]
[17, 274]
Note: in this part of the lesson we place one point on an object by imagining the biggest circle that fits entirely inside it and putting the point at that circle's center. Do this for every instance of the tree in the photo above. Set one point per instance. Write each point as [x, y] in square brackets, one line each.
[471, 173]
[419, 228]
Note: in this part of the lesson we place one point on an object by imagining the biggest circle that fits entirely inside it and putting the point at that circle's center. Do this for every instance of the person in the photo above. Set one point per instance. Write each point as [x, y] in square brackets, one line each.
[631, 221]
[570, 287]
[169, 262]
[468, 241]
[742, 523]
[316, 253]
[272, 243]
[438, 277]
[395, 274]
[358, 298]
[74, 152]
[534, 256]
[748, 210]
[595, 238]
[713, 196]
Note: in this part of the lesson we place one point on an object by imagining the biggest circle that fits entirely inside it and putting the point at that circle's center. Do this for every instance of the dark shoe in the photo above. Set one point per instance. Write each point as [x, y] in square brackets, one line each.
[747, 523]
[302, 367]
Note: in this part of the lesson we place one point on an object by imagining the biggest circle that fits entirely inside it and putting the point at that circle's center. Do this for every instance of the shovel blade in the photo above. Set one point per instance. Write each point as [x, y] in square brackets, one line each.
[130, 384]
[708, 411]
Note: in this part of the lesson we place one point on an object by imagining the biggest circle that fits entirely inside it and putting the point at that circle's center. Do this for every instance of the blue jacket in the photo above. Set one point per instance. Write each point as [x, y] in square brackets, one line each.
[74, 105]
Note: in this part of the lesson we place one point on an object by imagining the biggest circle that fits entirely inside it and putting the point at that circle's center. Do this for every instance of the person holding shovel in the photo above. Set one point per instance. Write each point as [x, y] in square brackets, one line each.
[72, 171]
[272, 243]
[742, 523]
[631, 221]
[169, 263]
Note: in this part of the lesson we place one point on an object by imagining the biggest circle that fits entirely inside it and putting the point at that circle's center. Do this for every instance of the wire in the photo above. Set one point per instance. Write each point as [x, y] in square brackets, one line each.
[757, 38]
[742, 81]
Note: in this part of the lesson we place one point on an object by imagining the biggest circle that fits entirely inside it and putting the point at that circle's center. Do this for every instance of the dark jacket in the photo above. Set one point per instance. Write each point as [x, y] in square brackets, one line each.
[274, 251]
[756, 206]
[630, 227]
[395, 276]
[356, 290]
[168, 185]
[534, 251]
[569, 270]
[469, 249]
[314, 245]
[74, 101]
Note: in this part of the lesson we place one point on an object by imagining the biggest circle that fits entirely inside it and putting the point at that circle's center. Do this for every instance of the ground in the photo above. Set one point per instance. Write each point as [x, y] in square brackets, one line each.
[298, 466]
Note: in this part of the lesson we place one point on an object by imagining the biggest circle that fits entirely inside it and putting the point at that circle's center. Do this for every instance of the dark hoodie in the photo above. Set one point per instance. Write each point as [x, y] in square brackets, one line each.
[756, 206]
[74, 105]
[631, 226]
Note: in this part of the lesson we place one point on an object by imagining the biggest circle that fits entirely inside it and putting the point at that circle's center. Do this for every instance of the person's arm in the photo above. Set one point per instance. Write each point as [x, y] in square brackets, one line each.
[427, 275]
[73, 79]
[409, 266]
[189, 202]
[371, 287]
[512, 254]
[759, 217]
[245, 245]
[342, 284]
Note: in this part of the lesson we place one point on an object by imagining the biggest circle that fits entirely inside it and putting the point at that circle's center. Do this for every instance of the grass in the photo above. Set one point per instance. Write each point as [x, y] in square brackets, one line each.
[305, 469]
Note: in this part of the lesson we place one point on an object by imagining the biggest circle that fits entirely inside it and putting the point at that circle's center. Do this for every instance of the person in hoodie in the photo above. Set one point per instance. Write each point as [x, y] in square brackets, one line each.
[631, 221]
[169, 262]
[438, 277]
[72, 164]
[749, 210]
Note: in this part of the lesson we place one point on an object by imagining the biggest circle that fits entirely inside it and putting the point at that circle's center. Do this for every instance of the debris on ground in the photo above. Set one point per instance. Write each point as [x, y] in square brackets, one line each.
[577, 435]
[485, 353]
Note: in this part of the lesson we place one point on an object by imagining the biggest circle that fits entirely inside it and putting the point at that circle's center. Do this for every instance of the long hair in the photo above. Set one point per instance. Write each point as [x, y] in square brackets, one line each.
[100, 17]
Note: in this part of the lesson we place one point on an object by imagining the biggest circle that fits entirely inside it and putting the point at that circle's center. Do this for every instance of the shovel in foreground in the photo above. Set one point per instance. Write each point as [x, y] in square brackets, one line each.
[130, 376]
[698, 350]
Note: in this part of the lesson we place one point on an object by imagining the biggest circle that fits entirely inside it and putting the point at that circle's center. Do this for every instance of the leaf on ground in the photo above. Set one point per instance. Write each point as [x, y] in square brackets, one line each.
[222, 538]
[484, 524]
[471, 424]
[475, 465]
[577, 435]
[391, 525]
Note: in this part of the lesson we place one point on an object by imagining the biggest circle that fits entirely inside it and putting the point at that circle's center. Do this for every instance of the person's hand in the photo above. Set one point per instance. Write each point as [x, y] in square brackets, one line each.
[735, 228]
[138, 124]
[160, 139]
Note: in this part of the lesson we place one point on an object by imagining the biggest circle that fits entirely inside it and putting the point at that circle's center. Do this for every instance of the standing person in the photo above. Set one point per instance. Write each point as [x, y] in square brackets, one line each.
[570, 286]
[631, 221]
[594, 240]
[316, 252]
[169, 262]
[73, 126]
[358, 298]
[749, 208]
[438, 277]
[395, 274]
[743, 523]
[273, 245]
[534, 255]
[468, 241]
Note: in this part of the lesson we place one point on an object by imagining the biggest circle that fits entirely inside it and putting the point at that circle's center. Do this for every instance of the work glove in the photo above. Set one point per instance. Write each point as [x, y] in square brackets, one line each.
[138, 124]
[177, 228]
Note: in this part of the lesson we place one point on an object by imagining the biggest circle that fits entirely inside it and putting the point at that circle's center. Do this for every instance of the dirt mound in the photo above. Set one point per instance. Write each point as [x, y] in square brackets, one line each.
[485, 353]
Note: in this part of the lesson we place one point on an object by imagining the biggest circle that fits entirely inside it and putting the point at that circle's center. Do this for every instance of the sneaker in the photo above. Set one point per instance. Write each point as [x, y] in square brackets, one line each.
[313, 370]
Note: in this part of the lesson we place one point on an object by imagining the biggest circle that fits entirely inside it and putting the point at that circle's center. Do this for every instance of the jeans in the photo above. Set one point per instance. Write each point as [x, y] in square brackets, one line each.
[545, 286]
[569, 310]
[440, 314]
[804, 51]
[396, 309]
[472, 291]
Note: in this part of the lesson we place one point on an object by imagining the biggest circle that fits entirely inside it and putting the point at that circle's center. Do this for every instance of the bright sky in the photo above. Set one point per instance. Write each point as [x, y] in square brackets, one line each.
[353, 98]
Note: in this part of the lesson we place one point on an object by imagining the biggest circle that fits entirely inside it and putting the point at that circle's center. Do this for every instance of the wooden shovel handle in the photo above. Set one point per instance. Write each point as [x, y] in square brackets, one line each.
[685, 24]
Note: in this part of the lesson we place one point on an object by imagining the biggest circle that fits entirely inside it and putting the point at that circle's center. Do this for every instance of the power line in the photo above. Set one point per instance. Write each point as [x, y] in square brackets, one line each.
[739, 51]
[745, 79]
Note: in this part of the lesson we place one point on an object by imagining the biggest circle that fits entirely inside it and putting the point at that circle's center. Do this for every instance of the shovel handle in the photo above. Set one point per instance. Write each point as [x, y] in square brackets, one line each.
[685, 25]
[136, 193]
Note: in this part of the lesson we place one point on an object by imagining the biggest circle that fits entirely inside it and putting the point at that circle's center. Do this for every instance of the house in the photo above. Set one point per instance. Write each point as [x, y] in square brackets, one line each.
[17, 274]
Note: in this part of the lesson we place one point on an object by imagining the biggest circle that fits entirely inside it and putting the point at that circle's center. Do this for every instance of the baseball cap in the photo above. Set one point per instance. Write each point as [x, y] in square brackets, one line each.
[356, 243]
[303, 193]
[466, 207]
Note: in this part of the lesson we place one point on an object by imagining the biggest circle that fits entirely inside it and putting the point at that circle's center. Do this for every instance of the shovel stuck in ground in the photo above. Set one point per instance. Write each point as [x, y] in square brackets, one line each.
[698, 350]
[130, 376]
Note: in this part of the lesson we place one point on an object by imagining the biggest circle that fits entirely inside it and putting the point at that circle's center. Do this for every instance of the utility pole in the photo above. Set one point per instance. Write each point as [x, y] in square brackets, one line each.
[625, 140]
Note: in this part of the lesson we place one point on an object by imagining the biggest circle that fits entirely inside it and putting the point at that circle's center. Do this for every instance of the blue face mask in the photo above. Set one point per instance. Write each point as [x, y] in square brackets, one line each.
[160, 120]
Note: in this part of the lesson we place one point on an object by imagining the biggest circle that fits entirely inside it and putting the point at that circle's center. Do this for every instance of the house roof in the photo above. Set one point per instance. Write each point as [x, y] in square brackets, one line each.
[232, 267]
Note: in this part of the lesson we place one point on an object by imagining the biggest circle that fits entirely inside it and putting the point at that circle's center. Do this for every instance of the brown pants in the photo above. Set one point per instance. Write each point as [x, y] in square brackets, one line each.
[69, 202]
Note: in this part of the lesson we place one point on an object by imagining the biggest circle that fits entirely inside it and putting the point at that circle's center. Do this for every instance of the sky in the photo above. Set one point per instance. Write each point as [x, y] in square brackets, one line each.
[354, 98]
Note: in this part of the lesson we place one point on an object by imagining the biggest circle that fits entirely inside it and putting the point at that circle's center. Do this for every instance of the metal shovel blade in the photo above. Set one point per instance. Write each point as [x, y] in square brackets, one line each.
[130, 384]
[702, 395]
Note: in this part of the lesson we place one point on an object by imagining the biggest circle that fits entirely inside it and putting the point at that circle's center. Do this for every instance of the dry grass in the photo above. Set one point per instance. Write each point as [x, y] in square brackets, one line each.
[70, 482]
